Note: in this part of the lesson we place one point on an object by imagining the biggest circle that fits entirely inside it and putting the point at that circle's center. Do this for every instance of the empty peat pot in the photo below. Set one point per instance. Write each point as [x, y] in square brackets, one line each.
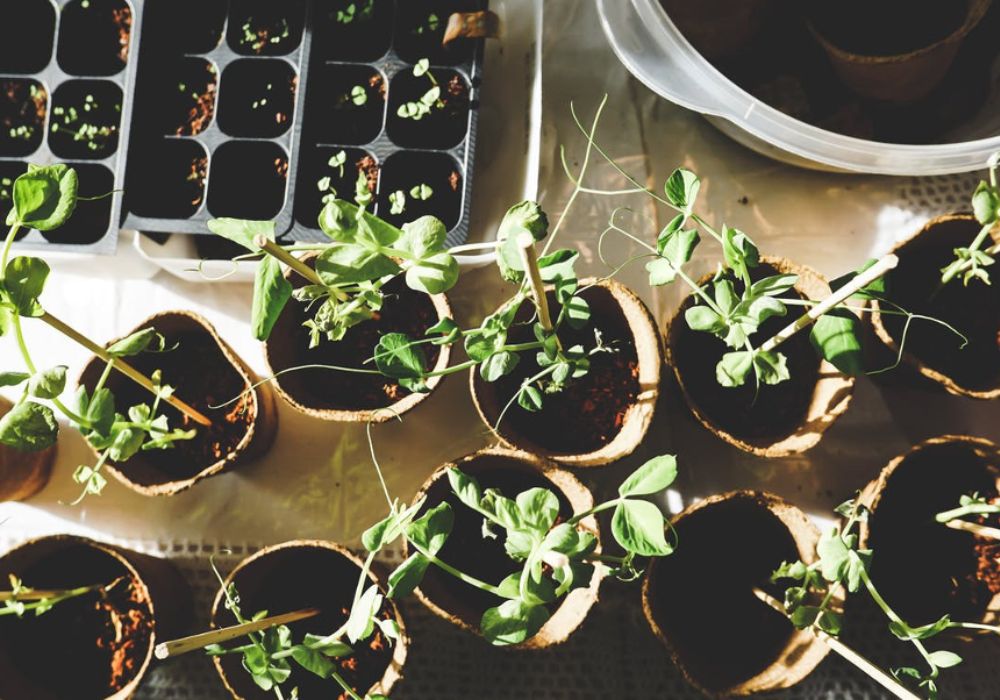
[511, 472]
[720, 29]
[922, 568]
[600, 417]
[775, 420]
[205, 372]
[893, 50]
[700, 601]
[310, 574]
[932, 350]
[338, 395]
[96, 646]
[23, 474]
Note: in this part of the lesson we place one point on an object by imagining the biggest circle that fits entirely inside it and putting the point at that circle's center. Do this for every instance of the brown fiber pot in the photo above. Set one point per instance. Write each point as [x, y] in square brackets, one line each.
[700, 602]
[946, 232]
[278, 350]
[145, 477]
[829, 398]
[619, 307]
[23, 474]
[719, 28]
[919, 565]
[296, 575]
[87, 562]
[902, 77]
[511, 471]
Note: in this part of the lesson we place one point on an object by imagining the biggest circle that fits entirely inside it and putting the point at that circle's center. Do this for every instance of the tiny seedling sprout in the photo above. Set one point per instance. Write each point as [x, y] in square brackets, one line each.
[429, 101]
[971, 505]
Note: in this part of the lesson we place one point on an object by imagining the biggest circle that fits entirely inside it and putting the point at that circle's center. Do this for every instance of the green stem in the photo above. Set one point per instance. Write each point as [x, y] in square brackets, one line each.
[891, 614]
[596, 509]
[973, 509]
[54, 600]
[444, 566]
[974, 626]
[343, 684]
[11, 233]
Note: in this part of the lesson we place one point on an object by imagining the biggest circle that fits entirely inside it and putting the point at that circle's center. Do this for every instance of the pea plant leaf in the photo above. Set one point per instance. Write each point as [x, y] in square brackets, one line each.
[29, 427]
[512, 622]
[835, 336]
[681, 189]
[652, 477]
[140, 341]
[48, 383]
[638, 528]
[44, 197]
[242, 231]
[271, 291]
[398, 357]
[433, 274]
[526, 216]
[24, 280]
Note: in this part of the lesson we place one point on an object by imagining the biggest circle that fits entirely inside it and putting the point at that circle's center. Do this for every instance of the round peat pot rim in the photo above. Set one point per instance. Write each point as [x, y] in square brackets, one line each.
[365, 415]
[831, 394]
[803, 651]
[23, 474]
[573, 609]
[937, 376]
[393, 671]
[871, 496]
[262, 428]
[650, 357]
[55, 543]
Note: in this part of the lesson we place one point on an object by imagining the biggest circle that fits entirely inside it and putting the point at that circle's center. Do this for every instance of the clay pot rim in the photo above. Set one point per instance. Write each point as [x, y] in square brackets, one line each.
[801, 529]
[974, 14]
[639, 416]
[76, 540]
[830, 380]
[573, 609]
[925, 370]
[365, 415]
[393, 672]
[259, 396]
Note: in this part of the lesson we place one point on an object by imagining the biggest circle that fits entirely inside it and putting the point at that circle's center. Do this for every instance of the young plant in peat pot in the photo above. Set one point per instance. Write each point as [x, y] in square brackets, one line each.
[81, 618]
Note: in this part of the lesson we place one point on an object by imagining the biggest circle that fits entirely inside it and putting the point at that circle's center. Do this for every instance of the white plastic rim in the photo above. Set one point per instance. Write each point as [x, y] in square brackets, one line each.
[651, 47]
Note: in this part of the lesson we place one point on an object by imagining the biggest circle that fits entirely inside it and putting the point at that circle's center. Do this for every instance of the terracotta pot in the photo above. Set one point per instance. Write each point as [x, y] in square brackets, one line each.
[511, 471]
[919, 565]
[616, 310]
[922, 255]
[829, 394]
[700, 602]
[719, 28]
[82, 562]
[306, 574]
[152, 473]
[296, 388]
[23, 474]
[902, 77]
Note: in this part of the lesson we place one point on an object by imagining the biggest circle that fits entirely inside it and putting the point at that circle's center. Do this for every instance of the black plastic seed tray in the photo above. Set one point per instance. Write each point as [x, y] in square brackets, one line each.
[66, 77]
[260, 109]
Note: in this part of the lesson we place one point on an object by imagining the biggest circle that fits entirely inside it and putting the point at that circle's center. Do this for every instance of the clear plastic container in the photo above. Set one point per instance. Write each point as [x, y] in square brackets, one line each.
[654, 51]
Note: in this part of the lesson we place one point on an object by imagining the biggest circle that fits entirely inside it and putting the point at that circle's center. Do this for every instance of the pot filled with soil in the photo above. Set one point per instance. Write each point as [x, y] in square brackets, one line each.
[773, 420]
[310, 574]
[720, 29]
[600, 417]
[511, 472]
[889, 50]
[99, 641]
[339, 395]
[206, 372]
[973, 309]
[923, 568]
[700, 601]
[23, 474]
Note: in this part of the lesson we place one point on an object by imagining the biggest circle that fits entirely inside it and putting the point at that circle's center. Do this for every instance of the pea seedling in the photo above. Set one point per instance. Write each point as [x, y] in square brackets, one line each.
[21, 600]
[44, 198]
[429, 101]
[970, 262]
[360, 10]
[971, 505]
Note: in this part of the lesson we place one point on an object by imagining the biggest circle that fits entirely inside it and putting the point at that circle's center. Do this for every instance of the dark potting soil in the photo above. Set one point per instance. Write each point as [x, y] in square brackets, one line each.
[333, 117]
[202, 377]
[922, 568]
[974, 310]
[406, 169]
[266, 28]
[176, 187]
[590, 411]
[29, 52]
[445, 126]
[184, 101]
[293, 578]
[768, 413]
[98, 642]
[702, 595]
[94, 37]
[259, 98]
[467, 549]
[22, 116]
[886, 27]
[403, 311]
[249, 180]
[183, 26]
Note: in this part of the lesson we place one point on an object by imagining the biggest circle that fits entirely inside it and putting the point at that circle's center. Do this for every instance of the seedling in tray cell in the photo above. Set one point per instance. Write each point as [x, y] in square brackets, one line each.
[431, 113]
[184, 102]
[86, 115]
[23, 104]
[183, 26]
[344, 173]
[92, 215]
[420, 31]
[94, 37]
[266, 28]
[259, 98]
[420, 184]
[346, 104]
[353, 30]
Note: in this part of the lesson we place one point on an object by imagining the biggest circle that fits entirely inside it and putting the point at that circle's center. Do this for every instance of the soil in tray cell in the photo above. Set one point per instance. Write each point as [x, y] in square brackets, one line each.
[175, 188]
[94, 37]
[25, 50]
[425, 183]
[85, 119]
[23, 103]
[248, 180]
[183, 26]
[265, 27]
[90, 219]
[352, 30]
[346, 104]
[420, 26]
[178, 97]
[331, 172]
[257, 98]
[10, 170]
[429, 110]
